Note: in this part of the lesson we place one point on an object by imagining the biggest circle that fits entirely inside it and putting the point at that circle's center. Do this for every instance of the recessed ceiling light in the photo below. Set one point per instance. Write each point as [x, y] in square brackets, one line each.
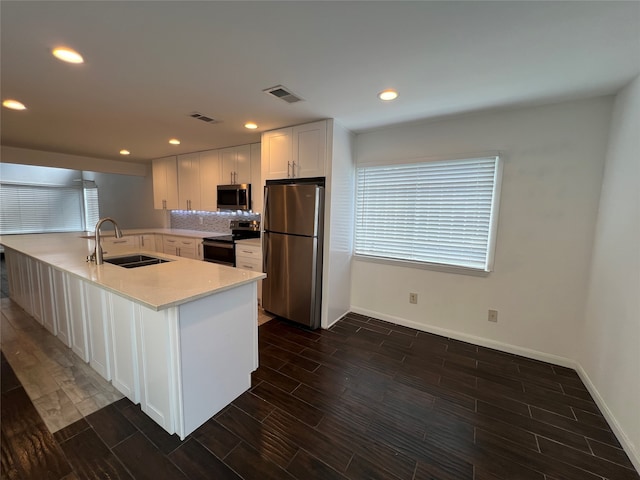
[124, 152]
[388, 95]
[13, 104]
[174, 141]
[250, 126]
[67, 55]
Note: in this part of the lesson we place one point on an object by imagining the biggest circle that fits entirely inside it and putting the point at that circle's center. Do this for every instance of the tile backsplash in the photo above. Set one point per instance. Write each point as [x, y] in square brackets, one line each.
[208, 221]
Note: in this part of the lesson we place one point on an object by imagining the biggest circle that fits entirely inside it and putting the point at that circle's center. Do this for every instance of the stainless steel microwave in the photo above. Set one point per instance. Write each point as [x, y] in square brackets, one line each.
[234, 197]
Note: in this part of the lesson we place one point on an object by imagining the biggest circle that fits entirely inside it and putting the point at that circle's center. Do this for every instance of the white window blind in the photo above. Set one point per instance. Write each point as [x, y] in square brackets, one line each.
[40, 208]
[91, 205]
[440, 212]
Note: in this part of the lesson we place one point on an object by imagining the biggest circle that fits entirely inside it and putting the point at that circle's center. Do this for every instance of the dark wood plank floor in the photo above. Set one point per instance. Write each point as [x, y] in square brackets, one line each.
[364, 400]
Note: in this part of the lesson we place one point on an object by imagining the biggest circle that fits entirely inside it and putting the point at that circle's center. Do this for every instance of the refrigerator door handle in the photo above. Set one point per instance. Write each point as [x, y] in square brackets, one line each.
[265, 252]
[266, 209]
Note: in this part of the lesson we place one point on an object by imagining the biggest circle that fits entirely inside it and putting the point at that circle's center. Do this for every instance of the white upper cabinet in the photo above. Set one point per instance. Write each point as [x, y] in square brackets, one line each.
[165, 183]
[309, 150]
[209, 179]
[235, 165]
[189, 181]
[295, 152]
[277, 151]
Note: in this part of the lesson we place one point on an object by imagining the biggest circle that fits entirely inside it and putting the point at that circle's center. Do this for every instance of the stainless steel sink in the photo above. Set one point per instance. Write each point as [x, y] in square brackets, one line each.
[134, 261]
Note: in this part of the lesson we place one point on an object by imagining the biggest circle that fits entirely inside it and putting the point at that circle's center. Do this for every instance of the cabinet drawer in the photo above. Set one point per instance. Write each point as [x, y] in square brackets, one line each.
[124, 241]
[247, 263]
[249, 251]
[113, 245]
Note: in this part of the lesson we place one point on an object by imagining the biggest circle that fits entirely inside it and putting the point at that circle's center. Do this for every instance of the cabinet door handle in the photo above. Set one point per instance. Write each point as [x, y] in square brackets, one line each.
[119, 241]
[164, 204]
[142, 241]
[293, 170]
[288, 169]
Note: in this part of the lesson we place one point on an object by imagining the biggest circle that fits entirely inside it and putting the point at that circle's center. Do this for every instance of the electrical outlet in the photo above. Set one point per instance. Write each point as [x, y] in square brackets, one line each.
[413, 298]
[493, 315]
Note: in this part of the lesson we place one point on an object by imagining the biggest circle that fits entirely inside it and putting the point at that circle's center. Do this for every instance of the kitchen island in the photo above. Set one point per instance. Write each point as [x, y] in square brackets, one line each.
[179, 337]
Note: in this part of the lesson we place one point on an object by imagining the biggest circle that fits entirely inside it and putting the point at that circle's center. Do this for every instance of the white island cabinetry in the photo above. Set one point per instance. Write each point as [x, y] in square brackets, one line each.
[155, 344]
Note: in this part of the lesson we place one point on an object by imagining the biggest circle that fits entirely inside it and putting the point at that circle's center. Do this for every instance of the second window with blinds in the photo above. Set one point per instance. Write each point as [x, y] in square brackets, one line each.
[440, 214]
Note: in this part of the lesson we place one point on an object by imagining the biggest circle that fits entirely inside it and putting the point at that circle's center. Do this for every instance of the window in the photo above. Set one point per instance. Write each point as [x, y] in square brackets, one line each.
[91, 207]
[430, 213]
[46, 208]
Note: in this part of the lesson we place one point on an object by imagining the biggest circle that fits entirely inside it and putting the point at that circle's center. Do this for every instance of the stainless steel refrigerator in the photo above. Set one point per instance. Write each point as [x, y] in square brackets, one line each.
[292, 250]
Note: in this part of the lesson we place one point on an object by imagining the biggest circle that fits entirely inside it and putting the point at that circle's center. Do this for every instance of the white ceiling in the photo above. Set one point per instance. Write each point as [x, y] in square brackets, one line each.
[150, 63]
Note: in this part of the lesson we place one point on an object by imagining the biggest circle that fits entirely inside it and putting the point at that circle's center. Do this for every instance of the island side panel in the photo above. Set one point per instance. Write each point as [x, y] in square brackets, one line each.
[125, 374]
[158, 359]
[219, 350]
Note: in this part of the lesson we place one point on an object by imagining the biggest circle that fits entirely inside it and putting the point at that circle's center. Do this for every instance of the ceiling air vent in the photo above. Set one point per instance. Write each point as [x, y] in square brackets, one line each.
[204, 118]
[282, 93]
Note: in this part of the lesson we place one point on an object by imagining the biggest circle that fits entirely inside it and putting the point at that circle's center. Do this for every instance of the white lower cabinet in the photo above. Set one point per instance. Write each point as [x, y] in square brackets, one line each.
[183, 364]
[182, 246]
[49, 315]
[158, 396]
[74, 288]
[249, 257]
[63, 325]
[97, 320]
[34, 291]
[147, 241]
[18, 268]
[124, 347]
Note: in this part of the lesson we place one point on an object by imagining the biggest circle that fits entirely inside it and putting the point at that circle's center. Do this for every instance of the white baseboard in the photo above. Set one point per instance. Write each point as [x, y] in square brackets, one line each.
[484, 342]
[627, 445]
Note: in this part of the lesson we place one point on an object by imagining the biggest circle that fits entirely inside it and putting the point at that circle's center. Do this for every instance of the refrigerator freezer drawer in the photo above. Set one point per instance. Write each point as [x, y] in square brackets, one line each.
[292, 289]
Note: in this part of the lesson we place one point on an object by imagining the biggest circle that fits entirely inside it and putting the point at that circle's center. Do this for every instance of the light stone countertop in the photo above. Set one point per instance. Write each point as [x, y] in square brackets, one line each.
[155, 286]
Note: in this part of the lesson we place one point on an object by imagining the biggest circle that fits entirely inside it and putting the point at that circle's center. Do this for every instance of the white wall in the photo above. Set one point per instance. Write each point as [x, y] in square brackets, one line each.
[553, 167]
[12, 173]
[26, 156]
[339, 210]
[128, 199]
[610, 353]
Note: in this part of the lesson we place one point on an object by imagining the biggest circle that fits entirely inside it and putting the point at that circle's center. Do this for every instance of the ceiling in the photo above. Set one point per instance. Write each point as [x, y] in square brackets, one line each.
[149, 64]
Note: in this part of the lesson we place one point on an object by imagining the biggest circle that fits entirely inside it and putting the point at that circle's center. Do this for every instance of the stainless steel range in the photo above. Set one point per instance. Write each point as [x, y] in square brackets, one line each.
[222, 249]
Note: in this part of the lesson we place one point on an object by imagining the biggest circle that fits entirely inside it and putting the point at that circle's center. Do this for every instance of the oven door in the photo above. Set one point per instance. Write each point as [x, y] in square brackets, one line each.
[219, 252]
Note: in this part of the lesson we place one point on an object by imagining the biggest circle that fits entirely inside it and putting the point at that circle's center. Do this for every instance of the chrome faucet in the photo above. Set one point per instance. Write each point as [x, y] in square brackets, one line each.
[97, 253]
